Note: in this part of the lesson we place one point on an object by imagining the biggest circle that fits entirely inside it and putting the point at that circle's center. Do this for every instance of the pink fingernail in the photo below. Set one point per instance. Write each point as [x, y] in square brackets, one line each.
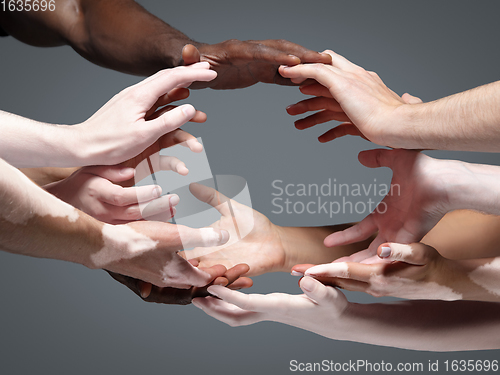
[295, 273]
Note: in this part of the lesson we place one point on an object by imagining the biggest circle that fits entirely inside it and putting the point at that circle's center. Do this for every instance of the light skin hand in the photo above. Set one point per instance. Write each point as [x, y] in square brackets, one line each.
[232, 278]
[417, 201]
[354, 96]
[415, 271]
[267, 247]
[105, 192]
[457, 325]
[329, 109]
[241, 64]
[423, 190]
[129, 123]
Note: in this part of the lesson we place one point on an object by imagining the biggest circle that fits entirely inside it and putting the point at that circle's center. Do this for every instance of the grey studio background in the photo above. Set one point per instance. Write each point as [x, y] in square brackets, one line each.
[61, 318]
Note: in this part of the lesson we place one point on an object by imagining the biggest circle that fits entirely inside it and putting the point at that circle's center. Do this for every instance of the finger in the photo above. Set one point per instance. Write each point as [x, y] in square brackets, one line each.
[249, 302]
[190, 54]
[203, 237]
[198, 117]
[113, 173]
[171, 163]
[409, 99]
[171, 120]
[340, 131]
[415, 253]
[318, 292]
[211, 196]
[352, 285]
[314, 104]
[155, 163]
[150, 89]
[300, 53]
[164, 204]
[236, 271]
[226, 312]
[353, 271]
[241, 283]
[115, 195]
[299, 269]
[358, 232]
[377, 158]
[171, 96]
[181, 137]
[326, 75]
[356, 257]
[145, 288]
[316, 89]
[320, 118]
[341, 62]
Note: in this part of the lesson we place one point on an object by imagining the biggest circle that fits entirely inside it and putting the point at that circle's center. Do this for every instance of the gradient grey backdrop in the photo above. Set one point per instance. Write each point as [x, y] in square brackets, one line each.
[60, 318]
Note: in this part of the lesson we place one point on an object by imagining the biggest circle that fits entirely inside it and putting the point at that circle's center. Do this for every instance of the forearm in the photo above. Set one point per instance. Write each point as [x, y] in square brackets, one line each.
[29, 143]
[122, 35]
[467, 121]
[48, 175]
[421, 325]
[35, 223]
[464, 234]
[116, 34]
[305, 245]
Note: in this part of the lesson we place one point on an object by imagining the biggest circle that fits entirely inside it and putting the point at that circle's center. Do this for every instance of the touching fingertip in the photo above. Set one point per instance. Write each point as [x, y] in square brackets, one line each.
[188, 110]
[174, 200]
[385, 252]
[307, 284]
[224, 236]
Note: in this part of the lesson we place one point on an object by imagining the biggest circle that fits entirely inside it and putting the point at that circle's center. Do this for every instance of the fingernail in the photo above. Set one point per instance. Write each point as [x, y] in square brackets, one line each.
[127, 171]
[174, 200]
[295, 273]
[188, 110]
[156, 192]
[386, 252]
[196, 303]
[224, 236]
[212, 292]
[307, 284]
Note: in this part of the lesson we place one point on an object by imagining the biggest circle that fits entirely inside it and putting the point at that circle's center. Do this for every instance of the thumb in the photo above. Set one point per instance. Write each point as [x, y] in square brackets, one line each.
[410, 99]
[113, 173]
[190, 54]
[415, 253]
[377, 158]
[318, 292]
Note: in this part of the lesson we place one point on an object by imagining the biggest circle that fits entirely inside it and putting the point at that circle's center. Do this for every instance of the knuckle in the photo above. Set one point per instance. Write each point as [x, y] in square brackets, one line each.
[118, 199]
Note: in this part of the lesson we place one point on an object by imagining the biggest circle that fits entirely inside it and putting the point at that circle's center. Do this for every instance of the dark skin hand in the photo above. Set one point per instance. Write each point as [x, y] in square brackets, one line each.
[122, 35]
[173, 296]
[241, 64]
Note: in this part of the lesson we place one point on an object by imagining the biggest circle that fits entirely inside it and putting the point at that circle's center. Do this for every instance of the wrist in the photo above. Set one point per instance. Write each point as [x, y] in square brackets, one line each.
[406, 131]
[285, 241]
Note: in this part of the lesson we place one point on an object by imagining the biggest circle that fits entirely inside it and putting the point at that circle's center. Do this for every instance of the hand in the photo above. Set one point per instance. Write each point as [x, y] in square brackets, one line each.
[348, 93]
[244, 63]
[127, 124]
[415, 271]
[418, 199]
[148, 251]
[96, 191]
[231, 278]
[318, 310]
[261, 248]
[105, 192]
